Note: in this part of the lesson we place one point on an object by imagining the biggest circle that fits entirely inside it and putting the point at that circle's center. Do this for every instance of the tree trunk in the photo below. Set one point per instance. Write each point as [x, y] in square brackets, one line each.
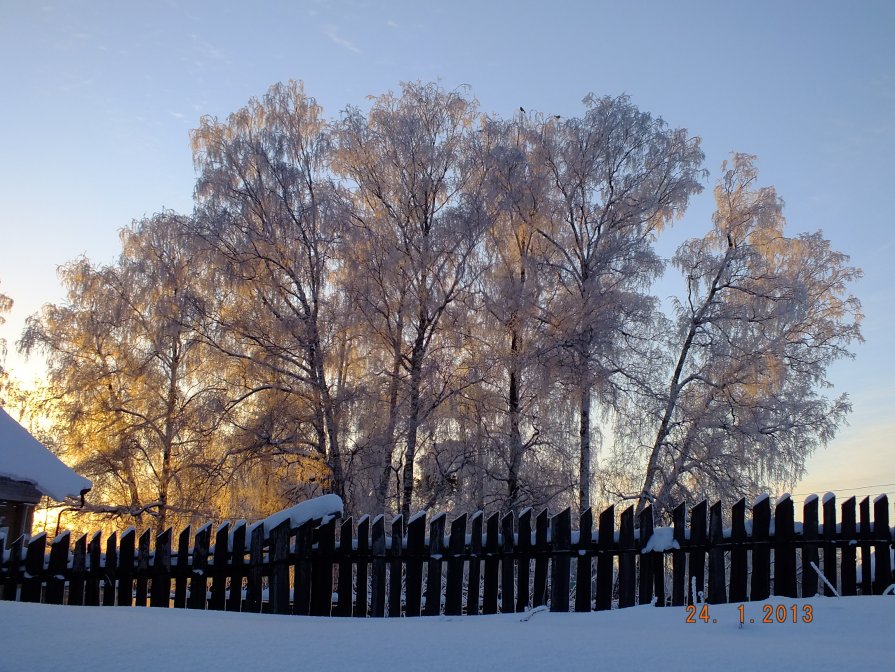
[585, 457]
[412, 426]
[388, 447]
[515, 461]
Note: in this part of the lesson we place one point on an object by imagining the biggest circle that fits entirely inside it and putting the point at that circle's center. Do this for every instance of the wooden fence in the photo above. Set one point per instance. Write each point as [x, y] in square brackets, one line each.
[498, 563]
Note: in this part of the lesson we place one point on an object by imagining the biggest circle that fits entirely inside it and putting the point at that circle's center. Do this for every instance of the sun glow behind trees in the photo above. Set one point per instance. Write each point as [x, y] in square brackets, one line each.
[420, 306]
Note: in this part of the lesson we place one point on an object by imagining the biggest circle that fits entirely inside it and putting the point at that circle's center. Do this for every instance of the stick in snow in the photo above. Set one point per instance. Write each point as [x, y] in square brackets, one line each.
[821, 575]
[536, 610]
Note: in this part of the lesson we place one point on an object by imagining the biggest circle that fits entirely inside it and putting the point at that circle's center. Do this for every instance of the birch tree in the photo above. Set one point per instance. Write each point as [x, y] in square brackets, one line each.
[764, 317]
[619, 176]
[130, 382]
[273, 216]
[418, 216]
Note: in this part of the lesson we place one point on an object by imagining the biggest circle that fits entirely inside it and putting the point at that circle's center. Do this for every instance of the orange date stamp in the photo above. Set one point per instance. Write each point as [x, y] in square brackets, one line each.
[779, 613]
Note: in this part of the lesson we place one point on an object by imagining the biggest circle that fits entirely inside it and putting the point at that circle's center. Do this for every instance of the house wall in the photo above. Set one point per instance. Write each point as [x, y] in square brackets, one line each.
[17, 501]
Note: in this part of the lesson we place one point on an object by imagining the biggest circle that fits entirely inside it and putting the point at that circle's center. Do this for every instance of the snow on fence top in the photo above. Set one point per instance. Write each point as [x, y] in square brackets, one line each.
[24, 458]
[319, 507]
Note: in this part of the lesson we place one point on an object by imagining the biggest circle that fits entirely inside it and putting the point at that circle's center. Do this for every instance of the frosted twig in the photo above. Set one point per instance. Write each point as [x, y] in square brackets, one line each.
[821, 575]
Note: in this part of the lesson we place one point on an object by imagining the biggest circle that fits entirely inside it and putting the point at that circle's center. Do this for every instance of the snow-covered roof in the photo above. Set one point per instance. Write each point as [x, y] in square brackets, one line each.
[24, 458]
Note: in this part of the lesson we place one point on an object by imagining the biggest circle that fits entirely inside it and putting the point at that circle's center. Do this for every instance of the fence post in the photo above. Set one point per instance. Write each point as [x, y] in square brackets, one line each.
[34, 568]
[717, 578]
[508, 565]
[882, 535]
[322, 570]
[830, 570]
[433, 575]
[475, 565]
[739, 587]
[761, 550]
[561, 525]
[646, 560]
[79, 569]
[605, 569]
[395, 586]
[278, 589]
[13, 580]
[809, 547]
[584, 562]
[199, 573]
[416, 544]
[363, 550]
[161, 571]
[57, 569]
[256, 567]
[220, 557]
[541, 559]
[453, 599]
[849, 555]
[492, 548]
[626, 559]
[126, 568]
[110, 570]
[864, 535]
[142, 567]
[523, 567]
[346, 572]
[237, 562]
[302, 589]
[378, 585]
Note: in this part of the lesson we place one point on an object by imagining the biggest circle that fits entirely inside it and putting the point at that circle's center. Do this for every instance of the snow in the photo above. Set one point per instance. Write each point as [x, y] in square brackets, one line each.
[662, 540]
[759, 499]
[319, 507]
[829, 496]
[845, 634]
[810, 498]
[24, 458]
[782, 498]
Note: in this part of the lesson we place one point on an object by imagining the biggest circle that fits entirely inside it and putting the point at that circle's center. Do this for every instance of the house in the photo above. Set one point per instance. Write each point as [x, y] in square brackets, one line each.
[28, 470]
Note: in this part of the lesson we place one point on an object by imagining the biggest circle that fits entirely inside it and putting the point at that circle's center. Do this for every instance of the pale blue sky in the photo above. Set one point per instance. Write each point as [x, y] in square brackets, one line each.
[98, 99]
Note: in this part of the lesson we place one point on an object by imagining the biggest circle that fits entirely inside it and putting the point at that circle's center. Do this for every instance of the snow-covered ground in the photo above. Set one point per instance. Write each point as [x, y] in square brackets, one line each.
[845, 634]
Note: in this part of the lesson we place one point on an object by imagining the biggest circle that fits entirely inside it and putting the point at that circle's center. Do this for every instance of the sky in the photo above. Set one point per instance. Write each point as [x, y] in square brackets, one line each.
[99, 98]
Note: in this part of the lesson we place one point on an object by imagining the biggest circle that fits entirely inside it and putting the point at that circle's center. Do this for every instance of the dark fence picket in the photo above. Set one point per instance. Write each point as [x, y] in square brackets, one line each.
[474, 586]
[278, 586]
[717, 579]
[830, 568]
[849, 557]
[182, 573]
[453, 598]
[161, 571]
[523, 566]
[78, 581]
[110, 570]
[761, 550]
[584, 562]
[253, 601]
[739, 568]
[361, 603]
[14, 571]
[416, 546]
[508, 564]
[94, 571]
[433, 571]
[882, 537]
[395, 563]
[57, 569]
[304, 544]
[220, 557]
[698, 538]
[143, 554]
[539, 594]
[780, 562]
[199, 570]
[34, 569]
[561, 525]
[378, 582]
[784, 548]
[346, 573]
[864, 535]
[322, 570]
[809, 547]
[237, 567]
[126, 557]
[492, 563]
[626, 559]
[605, 562]
[647, 560]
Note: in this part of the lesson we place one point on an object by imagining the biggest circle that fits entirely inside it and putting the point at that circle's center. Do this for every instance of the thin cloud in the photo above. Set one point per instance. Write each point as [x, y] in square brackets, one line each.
[335, 38]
